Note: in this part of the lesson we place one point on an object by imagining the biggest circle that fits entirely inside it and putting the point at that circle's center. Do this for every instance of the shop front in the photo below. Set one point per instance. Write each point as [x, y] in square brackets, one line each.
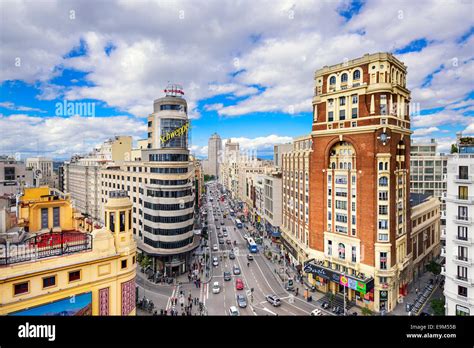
[289, 252]
[361, 291]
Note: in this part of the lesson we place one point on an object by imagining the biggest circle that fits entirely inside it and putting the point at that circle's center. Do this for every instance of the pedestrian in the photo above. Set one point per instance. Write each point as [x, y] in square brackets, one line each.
[416, 291]
[166, 312]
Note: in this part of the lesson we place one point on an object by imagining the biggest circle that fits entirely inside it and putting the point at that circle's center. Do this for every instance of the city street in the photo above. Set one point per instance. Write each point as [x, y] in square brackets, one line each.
[258, 274]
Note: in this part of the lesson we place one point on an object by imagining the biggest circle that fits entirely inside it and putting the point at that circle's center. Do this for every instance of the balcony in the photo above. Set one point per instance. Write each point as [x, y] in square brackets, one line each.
[443, 270]
[462, 240]
[463, 220]
[443, 252]
[460, 199]
[465, 179]
[443, 233]
[463, 260]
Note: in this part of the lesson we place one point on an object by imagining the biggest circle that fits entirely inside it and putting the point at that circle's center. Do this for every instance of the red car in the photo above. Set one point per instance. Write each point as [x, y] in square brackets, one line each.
[239, 284]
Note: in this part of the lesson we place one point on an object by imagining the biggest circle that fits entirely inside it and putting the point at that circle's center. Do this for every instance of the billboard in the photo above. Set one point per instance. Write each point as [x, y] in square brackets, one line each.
[78, 305]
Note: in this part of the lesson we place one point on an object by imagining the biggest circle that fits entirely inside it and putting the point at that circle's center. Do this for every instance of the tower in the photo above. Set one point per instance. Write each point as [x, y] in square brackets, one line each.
[118, 219]
[359, 181]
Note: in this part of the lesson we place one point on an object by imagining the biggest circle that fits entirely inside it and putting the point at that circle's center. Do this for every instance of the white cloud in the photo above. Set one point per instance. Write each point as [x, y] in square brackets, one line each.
[441, 118]
[425, 131]
[12, 106]
[62, 137]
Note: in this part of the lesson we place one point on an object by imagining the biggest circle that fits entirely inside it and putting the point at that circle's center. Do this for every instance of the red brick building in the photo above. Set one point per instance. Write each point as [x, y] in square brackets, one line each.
[359, 181]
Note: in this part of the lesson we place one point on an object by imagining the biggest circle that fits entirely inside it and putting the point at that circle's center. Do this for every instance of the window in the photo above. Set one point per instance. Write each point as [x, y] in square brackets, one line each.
[383, 104]
[330, 116]
[462, 311]
[462, 273]
[462, 253]
[463, 192]
[329, 247]
[383, 224]
[342, 251]
[383, 181]
[332, 80]
[342, 101]
[462, 291]
[356, 75]
[122, 221]
[74, 275]
[44, 217]
[383, 195]
[344, 78]
[354, 254]
[383, 260]
[462, 232]
[112, 221]
[462, 213]
[354, 113]
[9, 173]
[383, 209]
[21, 288]
[463, 172]
[124, 264]
[342, 115]
[49, 281]
[56, 220]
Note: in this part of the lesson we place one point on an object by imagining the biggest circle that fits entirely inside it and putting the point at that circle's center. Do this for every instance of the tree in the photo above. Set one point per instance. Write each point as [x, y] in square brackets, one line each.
[145, 261]
[437, 305]
[434, 268]
[366, 312]
[454, 148]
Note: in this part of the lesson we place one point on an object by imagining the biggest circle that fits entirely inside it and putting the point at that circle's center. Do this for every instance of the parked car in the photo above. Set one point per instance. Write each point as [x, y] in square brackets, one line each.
[216, 288]
[225, 233]
[222, 222]
[215, 247]
[239, 284]
[215, 261]
[221, 241]
[316, 312]
[228, 241]
[236, 270]
[219, 235]
[241, 301]
[227, 276]
[231, 256]
[233, 311]
[273, 300]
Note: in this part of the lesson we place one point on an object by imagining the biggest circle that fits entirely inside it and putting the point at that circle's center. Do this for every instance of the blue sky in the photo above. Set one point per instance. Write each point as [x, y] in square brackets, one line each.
[247, 75]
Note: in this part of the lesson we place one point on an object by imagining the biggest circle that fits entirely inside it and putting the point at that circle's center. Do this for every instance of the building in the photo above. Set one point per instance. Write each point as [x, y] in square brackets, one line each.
[272, 203]
[228, 168]
[278, 151]
[14, 175]
[161, 185]
[42, 170]
[425, 232]
[295, 207]
[360, 227]
[214, 150]
[68, 271]
[81, 175]
[459, 251]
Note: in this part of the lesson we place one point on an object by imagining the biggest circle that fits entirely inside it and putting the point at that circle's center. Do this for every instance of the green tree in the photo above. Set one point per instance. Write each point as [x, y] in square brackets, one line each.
[434, 268]
[454, 148]
[437, 305]
[145, 261]
[366, 312]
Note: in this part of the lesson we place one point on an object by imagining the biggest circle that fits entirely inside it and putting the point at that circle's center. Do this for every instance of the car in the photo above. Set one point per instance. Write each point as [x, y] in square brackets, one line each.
[217, 227]
[241, 301]
[215, 218]
[215, 261]
[316, 312]
[224, 230]
[239, 284]
[249, 257]
[236, 270]
[232, 256]
[215, 247]
[227, 276]
[222, 222]
[221, 241]
[225, 234]
[246, 236]
[273, 300]
[228, 241]
[233, 311]
[219, 235]
[216, 288]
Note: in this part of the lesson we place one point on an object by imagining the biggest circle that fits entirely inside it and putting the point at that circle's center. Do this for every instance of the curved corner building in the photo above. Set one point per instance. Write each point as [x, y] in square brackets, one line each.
[160, 182]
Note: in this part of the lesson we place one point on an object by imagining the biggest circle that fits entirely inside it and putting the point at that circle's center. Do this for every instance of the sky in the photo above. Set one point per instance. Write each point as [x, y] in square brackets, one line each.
[247, 67]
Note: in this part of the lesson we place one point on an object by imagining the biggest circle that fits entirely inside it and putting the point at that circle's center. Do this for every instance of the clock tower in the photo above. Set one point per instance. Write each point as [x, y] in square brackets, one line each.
[360, 182]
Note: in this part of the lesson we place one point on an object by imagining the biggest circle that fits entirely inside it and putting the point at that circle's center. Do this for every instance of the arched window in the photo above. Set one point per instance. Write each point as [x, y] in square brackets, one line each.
[332, 80]
[333, 165]
[342, 251]
[380, 165]
[344, 78]
[386, 165]
[383, 181]
[356, 75]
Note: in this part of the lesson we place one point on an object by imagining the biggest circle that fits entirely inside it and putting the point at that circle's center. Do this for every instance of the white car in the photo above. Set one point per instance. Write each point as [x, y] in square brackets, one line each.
[215, 261]
[215, 247]
[233, 311]
[216, 288]
[316, 312]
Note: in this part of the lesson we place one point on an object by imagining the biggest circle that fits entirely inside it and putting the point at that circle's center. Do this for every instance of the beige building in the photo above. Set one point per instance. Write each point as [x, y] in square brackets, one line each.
[42, 170]
[228, 168]
[14, 175]
[81, 176]
[425, 232]
[295, 200]
[214, 151]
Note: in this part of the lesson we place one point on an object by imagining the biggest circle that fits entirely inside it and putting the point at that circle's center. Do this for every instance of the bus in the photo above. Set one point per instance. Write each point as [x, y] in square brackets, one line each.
[232, 212]
[252, 245]
[238, 223]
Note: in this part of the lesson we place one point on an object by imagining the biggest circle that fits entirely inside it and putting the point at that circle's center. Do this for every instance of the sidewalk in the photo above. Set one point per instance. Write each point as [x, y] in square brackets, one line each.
[419, 284]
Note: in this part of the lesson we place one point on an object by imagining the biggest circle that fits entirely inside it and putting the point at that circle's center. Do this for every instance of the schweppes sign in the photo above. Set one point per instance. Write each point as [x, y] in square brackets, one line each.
[175, 133]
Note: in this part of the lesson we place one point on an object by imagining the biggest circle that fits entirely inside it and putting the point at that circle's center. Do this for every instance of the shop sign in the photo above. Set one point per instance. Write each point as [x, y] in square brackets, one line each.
[353, 284]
